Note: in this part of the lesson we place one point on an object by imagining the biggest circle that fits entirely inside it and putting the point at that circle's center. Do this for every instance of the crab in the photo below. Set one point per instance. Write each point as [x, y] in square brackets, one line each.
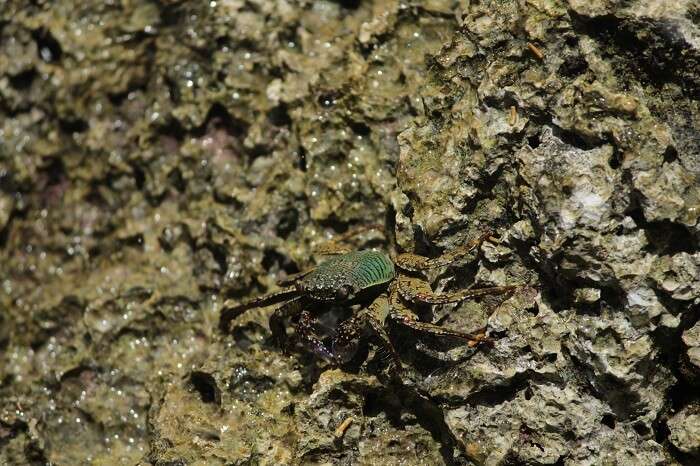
[387, 282]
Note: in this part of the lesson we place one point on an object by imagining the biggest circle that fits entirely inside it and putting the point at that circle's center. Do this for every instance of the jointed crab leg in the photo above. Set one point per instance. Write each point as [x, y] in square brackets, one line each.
[336, 246]
[231, 310]
[295, 277]
[278, 317]
[375, 316]
[304, 331]
[345, 342]
[401, 314]
[415, 289]
[415, 263]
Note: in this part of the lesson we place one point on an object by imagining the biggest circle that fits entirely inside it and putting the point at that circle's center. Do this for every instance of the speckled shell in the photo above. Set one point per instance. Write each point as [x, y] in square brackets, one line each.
[359, 270]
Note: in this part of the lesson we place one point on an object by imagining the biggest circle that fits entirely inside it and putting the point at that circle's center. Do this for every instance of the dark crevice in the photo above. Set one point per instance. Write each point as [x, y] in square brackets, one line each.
[287, 223]
[139, 176]
[665, 237]
[172, 131]
[5, 230]
[624, 402]
[48, 47]
[573, 66]
[55, 178]
[641, 429]
[219, 117]
[534, 141]
[171, 13]
[427, 413]
[23, 80]
[608, 419]
[571, 138]
[302, 159]
[328, 99]
[496, 395]
[670, 154]
[134, 241]
[219, 254]
[73, 125]
[205, 385]
[615, 160]
[349, 4]
[576, 140]
[176, 179]
[652, 53]
[273, 259]
[279, 116]
[359, 128]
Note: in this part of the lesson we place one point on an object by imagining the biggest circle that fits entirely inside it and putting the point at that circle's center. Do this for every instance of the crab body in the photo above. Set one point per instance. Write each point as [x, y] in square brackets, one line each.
[344, 276]
[383, 284]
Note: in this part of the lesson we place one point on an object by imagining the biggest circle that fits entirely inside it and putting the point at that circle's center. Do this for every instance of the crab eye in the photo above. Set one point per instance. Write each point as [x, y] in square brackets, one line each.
[344, 292]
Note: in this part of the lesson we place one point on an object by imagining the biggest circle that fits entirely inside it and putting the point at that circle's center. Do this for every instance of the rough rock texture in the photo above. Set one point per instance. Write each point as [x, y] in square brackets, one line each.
[158, 157]
[685, 432]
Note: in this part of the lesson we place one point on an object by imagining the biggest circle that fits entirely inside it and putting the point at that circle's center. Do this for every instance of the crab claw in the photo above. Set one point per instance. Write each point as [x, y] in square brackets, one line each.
[346, 341]
[343, 351]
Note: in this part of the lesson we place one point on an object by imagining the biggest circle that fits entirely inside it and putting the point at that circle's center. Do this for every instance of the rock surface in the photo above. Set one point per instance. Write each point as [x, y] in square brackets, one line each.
[157, 158]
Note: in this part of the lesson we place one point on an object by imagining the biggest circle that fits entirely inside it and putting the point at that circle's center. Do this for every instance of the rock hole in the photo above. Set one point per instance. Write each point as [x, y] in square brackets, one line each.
[219, 117]
[23, 80]
[139, 176]
[608, 419]
[372, 406]
[272, 259]
[279, 116]
[359, 128]
[288, 222]
[615, 161]
[670, 154]
[219, 254]
[73, 125]
[302, 159]
[533, 141]
[204, 384]
[573, 65]
[48, 47]
[641, 428]
[349, 4]
[176, 179]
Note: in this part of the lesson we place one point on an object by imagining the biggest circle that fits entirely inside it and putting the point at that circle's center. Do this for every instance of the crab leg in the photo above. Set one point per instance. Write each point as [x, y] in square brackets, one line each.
[231, 310]
[345, 342]
[415, 289]
[336, 247]
[416, 263]
[376, 316]
[295, 277]
[304, 330]
[278, 317]
[401, 314]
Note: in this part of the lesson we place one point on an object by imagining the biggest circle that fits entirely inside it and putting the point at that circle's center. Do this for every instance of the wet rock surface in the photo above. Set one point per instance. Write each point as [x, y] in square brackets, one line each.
[157, 158]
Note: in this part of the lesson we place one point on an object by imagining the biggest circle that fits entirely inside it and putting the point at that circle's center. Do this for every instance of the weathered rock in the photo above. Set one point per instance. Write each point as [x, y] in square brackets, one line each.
[691, 338]
[685, 431]
[158, 158]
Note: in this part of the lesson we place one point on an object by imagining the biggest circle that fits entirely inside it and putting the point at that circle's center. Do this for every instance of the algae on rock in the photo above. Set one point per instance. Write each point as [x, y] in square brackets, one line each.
[157, 158]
